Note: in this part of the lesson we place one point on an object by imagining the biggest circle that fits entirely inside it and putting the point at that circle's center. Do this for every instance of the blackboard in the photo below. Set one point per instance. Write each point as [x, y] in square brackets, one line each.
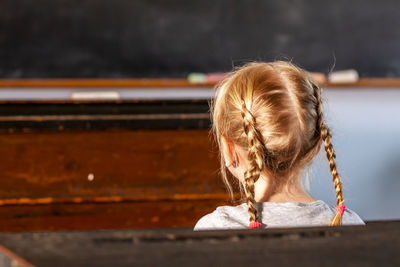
[158, 38]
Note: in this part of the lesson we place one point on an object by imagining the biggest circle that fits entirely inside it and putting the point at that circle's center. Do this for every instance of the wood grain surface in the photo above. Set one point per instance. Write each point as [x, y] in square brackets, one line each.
[107, 179]
[376, 244]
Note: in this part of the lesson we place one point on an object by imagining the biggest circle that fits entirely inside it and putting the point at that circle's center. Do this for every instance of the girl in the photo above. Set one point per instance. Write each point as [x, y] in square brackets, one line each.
[269, 125]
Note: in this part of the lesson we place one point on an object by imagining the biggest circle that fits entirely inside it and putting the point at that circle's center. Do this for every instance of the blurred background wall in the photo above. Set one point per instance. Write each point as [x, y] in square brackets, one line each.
[366, 130]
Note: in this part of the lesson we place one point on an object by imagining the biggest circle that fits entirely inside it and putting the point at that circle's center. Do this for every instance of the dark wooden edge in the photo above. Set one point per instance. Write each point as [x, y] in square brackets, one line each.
[179, 234]
[349, 245]
[17, 261]
[160, 83]
[160, 114]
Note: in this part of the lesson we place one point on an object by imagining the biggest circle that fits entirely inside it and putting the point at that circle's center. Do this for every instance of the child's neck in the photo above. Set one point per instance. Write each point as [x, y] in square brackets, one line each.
[281, 197]
[292, 191]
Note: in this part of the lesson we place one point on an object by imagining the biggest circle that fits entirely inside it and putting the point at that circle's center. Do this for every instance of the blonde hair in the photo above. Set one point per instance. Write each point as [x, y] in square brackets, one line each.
[273, 111]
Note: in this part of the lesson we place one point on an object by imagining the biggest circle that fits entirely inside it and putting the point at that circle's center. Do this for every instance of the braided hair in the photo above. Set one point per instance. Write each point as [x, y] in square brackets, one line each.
[326, 136]
[255, 157]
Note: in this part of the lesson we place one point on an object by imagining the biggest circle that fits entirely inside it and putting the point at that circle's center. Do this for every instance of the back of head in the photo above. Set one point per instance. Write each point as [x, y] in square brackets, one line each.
[274, 111]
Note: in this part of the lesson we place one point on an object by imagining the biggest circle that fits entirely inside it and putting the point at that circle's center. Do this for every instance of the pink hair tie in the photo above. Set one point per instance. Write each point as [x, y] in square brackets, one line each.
[340, 209]
[254, 225]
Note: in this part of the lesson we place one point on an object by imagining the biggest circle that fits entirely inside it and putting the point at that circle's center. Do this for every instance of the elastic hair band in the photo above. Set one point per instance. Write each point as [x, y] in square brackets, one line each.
[340, 209]
[254, 225]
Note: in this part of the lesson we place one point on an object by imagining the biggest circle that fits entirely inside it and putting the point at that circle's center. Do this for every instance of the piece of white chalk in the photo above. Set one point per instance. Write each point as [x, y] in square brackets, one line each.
[107, 95]
[197, 77]
[343, 76]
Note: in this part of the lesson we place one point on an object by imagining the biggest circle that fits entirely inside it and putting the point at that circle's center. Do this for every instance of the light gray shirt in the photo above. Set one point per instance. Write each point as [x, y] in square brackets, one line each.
[276, 214]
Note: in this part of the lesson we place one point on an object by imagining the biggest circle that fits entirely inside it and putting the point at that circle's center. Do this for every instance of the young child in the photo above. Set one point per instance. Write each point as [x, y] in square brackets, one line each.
[269, 124]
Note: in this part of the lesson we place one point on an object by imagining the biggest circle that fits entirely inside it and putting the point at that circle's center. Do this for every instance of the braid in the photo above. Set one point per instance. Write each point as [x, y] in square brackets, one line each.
[256, 160]
[326, 136]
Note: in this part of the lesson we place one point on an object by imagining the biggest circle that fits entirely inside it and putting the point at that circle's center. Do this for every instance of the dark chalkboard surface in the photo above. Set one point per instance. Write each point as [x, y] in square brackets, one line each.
[158, 38]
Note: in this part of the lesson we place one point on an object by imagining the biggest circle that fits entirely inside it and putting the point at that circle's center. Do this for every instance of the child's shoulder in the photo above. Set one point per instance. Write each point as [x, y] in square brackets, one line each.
[223, 217]
[351, 217]
[276, 215]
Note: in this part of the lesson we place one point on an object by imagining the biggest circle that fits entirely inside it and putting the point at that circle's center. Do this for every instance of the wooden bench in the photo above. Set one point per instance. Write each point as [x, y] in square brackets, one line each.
[377, 244]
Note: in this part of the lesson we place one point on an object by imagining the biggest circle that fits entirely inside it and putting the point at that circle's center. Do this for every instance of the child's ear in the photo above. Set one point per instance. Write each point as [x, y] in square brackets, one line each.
[227, 150]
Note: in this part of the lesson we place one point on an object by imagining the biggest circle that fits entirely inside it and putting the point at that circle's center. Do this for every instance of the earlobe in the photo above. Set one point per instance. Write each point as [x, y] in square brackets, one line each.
[228, 151]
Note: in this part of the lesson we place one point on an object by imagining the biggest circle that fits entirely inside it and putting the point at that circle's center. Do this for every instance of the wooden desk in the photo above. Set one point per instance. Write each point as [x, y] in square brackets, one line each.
[101, 165]
[377, 244]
